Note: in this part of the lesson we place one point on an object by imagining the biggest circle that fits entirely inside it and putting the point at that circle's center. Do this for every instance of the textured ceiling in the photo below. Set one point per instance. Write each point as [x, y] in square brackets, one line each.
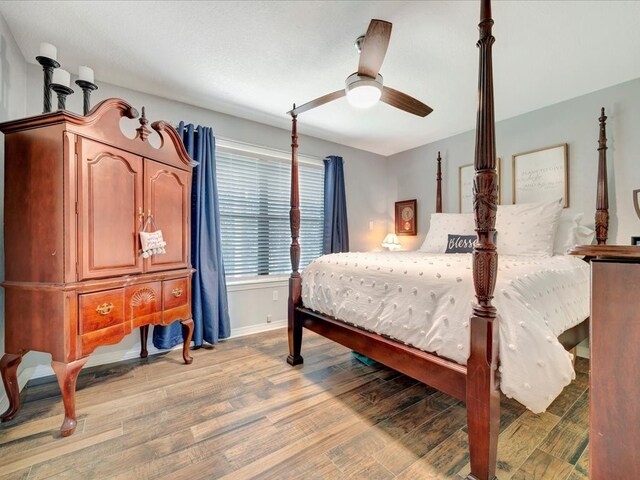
[254, 59]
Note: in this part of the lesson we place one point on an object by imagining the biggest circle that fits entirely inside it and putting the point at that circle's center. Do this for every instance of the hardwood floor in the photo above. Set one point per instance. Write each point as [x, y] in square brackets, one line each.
[239, 412]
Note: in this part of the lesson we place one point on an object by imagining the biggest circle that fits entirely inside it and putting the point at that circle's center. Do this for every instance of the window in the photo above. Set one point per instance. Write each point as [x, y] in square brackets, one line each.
[254, 187]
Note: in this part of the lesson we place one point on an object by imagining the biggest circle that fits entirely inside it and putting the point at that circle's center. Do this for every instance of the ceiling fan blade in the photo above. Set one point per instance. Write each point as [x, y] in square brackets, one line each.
[329, 97]
[404, 102]
[374, 47]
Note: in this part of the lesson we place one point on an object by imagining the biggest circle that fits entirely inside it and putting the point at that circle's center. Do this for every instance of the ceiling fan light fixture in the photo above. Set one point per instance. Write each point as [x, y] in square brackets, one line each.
[362, 91]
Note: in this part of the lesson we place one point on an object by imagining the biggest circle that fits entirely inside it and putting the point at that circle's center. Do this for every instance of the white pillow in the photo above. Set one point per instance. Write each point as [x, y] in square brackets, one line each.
[566, 238]
[441, 225]
[584, 235]
[527, 228]
[572, 232]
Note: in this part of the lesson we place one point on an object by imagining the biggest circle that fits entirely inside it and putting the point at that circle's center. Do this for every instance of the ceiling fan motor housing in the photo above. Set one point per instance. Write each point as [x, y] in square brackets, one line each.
[363, 91]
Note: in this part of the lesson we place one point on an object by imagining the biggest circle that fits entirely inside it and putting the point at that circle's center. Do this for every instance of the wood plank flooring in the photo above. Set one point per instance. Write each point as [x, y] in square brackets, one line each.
[240, 412]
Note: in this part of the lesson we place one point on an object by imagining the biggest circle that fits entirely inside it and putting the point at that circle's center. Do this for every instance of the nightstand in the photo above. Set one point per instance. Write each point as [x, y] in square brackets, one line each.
[614, 412]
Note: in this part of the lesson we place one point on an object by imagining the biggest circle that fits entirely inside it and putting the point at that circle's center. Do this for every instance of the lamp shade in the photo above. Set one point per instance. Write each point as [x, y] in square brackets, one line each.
[363, 92]
[391, 242]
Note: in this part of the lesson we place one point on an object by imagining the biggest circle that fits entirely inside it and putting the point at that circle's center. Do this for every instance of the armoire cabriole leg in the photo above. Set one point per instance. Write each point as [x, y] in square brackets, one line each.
[67, 375]
[294, 327]
[144, 334]
[188, 326]
[9, 368]
[483, 398]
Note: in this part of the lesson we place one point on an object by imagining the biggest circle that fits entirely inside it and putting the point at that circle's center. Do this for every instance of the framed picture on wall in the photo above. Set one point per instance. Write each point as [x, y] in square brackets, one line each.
[541, 175]
[465, 186]
[636, 201]
[406, 217]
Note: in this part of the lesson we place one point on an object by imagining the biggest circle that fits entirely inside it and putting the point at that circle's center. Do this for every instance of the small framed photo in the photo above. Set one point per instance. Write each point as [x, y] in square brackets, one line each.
[406, 217]
[635, 241]
[465, 186]
[541, 175]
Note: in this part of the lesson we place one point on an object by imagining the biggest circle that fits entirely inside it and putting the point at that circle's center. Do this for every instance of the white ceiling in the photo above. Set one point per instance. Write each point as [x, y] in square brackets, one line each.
[253, 59]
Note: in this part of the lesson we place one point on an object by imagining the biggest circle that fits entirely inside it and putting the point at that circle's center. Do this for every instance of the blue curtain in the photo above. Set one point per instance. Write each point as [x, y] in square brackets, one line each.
[209, 288]
[336, 230]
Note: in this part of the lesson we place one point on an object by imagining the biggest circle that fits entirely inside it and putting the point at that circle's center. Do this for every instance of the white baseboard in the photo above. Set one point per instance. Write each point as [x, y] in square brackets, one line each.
[45, 370]
[104, 358]
[265, 327]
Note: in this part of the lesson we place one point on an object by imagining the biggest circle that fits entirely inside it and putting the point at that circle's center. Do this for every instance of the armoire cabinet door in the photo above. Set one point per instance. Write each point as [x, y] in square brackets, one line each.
[167, 197]
[109, 202]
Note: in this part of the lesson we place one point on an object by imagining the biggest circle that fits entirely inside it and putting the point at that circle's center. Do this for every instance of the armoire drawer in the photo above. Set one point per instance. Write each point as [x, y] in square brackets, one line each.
[175, 293]
[143, 303]
[100, 310]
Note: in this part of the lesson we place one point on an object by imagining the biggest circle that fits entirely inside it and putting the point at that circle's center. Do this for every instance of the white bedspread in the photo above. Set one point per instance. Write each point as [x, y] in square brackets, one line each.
[424, 300]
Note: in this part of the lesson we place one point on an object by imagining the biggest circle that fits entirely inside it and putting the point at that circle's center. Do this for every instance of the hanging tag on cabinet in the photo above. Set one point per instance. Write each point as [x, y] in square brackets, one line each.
[152, 242]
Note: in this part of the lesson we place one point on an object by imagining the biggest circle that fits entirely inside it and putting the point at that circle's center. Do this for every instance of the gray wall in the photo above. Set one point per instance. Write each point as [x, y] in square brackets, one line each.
[249, 304]
[365, 172]
[575, 122]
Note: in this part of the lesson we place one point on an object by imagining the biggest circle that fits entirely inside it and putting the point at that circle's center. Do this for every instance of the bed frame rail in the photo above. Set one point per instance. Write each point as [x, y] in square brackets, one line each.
[447, 376]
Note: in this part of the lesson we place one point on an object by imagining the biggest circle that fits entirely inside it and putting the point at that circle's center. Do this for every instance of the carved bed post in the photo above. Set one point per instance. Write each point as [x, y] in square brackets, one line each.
[602, 200]
[294, 327]
[483, 397]
[439, 185]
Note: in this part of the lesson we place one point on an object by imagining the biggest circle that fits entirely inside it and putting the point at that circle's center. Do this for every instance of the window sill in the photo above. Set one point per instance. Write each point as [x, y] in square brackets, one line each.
[256, 282]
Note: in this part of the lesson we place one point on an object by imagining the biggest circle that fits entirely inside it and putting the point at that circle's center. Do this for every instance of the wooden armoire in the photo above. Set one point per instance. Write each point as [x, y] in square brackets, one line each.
[77, 193]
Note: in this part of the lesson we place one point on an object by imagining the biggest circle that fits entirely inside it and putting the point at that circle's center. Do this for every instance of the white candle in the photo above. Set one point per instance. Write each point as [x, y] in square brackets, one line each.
[49, 51]
[61, 77]
[85, 73]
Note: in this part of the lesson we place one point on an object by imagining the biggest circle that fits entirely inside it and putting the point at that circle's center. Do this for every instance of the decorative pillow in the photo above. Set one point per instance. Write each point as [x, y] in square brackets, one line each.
[527, 228]
[441, 225]
[566, 234]
[584, 235]
[460, 243]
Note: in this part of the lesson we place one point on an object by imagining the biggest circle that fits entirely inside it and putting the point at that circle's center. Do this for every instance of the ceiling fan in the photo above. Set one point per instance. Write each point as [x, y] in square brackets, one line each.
[364, 88]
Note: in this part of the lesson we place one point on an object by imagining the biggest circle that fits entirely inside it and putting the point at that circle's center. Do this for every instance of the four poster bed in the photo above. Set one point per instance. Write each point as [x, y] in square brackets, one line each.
[451, 282]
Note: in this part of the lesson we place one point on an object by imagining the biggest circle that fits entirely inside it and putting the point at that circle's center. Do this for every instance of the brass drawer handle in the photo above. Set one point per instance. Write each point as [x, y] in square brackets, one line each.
[104, 309]
[176, 292]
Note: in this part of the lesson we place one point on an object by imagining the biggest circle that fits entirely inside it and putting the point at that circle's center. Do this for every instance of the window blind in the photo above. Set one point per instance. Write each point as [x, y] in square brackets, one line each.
[253, 193]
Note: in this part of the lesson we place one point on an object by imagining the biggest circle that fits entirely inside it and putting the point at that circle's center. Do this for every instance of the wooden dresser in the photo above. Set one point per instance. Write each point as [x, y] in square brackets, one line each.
[77, 193]
[614, 412]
